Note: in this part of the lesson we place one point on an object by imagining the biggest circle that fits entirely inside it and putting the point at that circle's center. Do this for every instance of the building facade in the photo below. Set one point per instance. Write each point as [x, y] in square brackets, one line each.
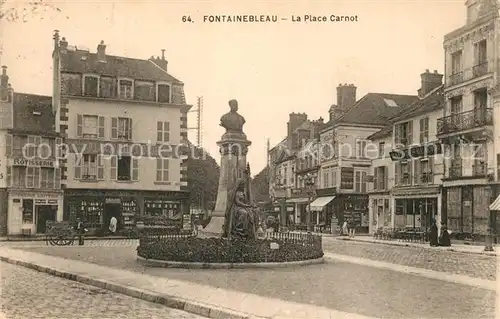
[30, 170]
[467, 127]
[124, 123]
[344, 174]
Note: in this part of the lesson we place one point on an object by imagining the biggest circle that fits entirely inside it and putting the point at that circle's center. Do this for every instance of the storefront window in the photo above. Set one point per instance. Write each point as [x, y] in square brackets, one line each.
[27, 211]
[161, 207]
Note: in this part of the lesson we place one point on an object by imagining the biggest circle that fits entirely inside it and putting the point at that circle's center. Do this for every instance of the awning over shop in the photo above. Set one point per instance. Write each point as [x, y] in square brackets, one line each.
[496, 204]
[321, 202]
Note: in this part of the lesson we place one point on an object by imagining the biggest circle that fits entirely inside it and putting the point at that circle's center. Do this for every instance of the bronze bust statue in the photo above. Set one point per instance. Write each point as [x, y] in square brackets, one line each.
[232, 121]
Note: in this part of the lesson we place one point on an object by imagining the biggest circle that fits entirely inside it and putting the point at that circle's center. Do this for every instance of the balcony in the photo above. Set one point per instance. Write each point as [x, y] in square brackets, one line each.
[456, 78]
[479, 169]
[456, 123]
[480, 69]
[457, 171]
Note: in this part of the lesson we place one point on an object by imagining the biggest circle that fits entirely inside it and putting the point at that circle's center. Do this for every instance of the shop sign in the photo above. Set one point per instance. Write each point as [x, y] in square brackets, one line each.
[418, 151]
[347, 178]
[113, 201]
[34, 195]
[34, 162]
[52, 202]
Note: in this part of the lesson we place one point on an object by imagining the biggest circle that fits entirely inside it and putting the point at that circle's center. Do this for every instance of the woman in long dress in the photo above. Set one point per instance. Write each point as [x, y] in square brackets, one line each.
[433, 235]
[239, 214]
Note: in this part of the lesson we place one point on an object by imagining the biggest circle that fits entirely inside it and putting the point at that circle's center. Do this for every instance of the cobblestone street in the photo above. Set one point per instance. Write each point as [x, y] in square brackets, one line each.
[342, 286]
[28, 293]
[472, 265]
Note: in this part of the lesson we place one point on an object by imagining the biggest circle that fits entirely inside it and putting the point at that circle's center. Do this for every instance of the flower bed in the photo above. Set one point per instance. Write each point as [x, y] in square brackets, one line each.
[184, 248]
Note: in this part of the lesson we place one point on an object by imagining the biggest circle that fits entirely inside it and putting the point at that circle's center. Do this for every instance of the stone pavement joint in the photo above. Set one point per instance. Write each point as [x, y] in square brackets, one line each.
[465, 249]
[459, 279]
[194, 298]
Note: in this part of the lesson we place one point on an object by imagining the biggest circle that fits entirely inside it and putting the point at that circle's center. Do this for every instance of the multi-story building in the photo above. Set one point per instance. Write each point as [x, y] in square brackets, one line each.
[406, 188]
[468, 127]
[343, 176]
[124, 121]
[29, 171]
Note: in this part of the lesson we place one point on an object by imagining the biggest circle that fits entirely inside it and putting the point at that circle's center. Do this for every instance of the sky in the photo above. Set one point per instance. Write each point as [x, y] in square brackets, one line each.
[272, 69]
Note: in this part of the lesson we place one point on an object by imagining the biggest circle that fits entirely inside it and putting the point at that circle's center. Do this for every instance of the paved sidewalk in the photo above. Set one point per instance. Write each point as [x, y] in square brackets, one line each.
[469, 249]
[195, 298]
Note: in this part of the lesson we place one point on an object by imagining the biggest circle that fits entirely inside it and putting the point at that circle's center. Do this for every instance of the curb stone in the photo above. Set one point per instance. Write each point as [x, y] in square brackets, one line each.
[193, 307]
[483, 253]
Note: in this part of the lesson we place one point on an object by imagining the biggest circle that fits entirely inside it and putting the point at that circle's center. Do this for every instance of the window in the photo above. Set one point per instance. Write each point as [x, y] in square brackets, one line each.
[361, 148]
[18, 143]
[381, 149]
[28, 211]
[163, 93]
[90, 126]
[47, 148]
[333, 178]
[424, 130]
[163, 132]
[121, 128]
[31, 148]
[162, 170]
[285, 176]
[456, 62]
[145, 91]
[360, 182]
[456, 105]
[405, 173]
[403, 134]
[89, 167]
[18, 176]
[480, 99]
[91, 85]
[426, 175]
[71, 84]
[481, 52]
[32, 177]
[47, 177]
[107, 87]
[126, 88]
[380, 178]
[325, 180]
[124, 168]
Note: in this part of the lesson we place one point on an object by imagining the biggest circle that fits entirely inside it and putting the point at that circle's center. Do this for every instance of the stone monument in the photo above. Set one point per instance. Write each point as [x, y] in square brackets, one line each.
[233, 148]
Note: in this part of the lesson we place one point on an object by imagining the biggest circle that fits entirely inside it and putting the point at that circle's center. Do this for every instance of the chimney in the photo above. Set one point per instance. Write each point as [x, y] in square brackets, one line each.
[63, 44]
[4, 78]
[161, 62]
[56, 39]
[101, 52]
[346, 96]
[429, 81]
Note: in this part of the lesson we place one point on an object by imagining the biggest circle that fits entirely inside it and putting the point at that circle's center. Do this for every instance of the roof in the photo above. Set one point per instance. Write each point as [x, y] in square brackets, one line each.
[433, 101]
[376, 109]
[33, 113]
[137, 69]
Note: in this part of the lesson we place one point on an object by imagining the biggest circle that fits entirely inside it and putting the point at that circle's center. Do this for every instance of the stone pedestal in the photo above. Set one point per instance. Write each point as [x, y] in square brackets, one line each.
[233, 148]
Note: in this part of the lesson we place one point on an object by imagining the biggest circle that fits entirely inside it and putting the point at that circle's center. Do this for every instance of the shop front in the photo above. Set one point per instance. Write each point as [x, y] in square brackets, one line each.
[28, 211]
[322, 209]
[379, 212]
[97, 207]
[354, 209]
[300, 199]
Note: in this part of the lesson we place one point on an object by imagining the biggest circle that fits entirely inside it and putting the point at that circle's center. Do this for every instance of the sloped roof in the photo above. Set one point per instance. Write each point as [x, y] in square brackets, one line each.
[80, 61]
[433, 101]
[25, 120]
[375, 109]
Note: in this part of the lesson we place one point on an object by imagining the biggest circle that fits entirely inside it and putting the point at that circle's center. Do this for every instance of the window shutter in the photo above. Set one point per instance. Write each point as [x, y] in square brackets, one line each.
[79, 125]
[130, 129]
[9, 176]
[375, 178]
[397, 134]
[8, 145]
[421, 130]
[410, 132]
[101, 124]
[114, 128]
[397, 173]
[363, 182]
[386, 177]
[166, 134]
[100, 168]
[29, 177]
[158, 169]
[135, 169]
[114, 170]
[416, 177]
[357, 188]
[78, 166]
[57, 178]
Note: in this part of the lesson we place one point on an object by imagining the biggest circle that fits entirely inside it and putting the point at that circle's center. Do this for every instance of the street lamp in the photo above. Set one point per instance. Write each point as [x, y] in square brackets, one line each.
[488, 243]
[309, 182]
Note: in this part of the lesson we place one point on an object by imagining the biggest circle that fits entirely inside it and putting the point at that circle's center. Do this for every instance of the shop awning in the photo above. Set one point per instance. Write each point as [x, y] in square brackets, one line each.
[321, 202]
[496, 204]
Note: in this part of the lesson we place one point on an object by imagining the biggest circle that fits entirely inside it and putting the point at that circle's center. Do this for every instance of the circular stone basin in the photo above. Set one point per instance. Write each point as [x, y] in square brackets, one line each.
[276, 250]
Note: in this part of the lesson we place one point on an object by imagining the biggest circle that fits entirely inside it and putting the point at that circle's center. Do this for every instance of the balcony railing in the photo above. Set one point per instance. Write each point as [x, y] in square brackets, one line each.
[457, 78]
[455, 171]
[479, 169]
[480, 69]
[465, 120]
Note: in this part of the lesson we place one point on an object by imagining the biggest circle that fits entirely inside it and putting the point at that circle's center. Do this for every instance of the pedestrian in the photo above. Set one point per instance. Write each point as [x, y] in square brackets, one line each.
[80, 230]
[112, 225]
[444, 239]
[344, 229]
[433, 234]
[352, 228]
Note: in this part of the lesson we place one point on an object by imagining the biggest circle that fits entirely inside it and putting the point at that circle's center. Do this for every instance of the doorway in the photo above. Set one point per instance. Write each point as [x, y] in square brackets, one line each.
[112, 210]
[43, 214]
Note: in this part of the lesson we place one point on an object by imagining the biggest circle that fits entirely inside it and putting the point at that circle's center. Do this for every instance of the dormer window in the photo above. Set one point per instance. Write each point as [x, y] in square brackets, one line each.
[91, 85]
[164, 92]
[126, 89]
[145, 91]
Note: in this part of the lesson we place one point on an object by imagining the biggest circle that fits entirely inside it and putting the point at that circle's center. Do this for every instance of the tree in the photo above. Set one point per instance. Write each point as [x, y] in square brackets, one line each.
[203, 179]
[260, 186]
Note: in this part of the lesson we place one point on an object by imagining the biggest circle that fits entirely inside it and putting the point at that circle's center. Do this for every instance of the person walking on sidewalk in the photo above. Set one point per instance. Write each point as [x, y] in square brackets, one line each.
[433, 235]
[352, 228]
